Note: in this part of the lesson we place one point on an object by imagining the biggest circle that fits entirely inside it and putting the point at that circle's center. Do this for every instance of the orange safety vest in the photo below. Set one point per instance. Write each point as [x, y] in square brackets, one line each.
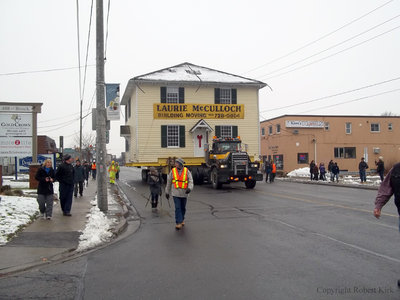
[93, 166]
[180, 182]
[273, 168]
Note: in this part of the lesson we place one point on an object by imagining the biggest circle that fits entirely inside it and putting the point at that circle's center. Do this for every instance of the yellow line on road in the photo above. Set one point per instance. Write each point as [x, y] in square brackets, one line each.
[326, 203]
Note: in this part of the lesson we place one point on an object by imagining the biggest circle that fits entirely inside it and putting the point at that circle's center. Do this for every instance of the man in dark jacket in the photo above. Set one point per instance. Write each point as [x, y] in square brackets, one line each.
[65, 175]
[362, 167]
[79, 178]
[380, 167]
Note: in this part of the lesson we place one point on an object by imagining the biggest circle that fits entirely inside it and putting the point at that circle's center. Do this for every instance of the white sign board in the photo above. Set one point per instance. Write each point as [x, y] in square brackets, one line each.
[305, 124]
[15, 125]
[15, 146]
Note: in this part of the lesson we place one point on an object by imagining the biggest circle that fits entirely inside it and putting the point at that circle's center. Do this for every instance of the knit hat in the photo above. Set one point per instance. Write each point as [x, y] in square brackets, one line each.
[67, 157]
[180, 160]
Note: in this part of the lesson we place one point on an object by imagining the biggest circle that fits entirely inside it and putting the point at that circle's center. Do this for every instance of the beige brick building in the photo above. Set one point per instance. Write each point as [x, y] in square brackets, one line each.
[292, 141]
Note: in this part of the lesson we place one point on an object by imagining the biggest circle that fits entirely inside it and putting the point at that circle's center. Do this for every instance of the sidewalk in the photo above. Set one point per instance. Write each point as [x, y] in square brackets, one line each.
[46, 241]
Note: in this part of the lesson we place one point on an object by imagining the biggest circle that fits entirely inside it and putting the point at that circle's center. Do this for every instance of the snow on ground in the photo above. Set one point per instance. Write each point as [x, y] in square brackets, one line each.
[304, 173]
[15, 212]
[97, 230]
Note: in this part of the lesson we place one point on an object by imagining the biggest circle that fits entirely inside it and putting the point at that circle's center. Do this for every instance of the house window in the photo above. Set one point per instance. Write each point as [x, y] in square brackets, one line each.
[270, 130]
[172, 136]
[225, 96]
[302, 158]
[390, 126]
[172, 95]
[345, 152]
[278, 128]
[278, 160]
[348, 128]
[326, 126]
[263, 131]
[375, 127]
[225, 131]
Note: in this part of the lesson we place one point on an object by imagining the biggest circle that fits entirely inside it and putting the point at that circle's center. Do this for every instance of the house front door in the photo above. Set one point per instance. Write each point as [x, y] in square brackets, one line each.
[199, 139]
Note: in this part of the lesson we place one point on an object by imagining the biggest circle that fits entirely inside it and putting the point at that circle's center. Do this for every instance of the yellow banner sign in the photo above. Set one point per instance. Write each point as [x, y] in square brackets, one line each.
[198, 111]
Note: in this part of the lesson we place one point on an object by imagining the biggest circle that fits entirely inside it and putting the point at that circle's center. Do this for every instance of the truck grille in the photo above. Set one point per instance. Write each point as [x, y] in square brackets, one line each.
[240, 163]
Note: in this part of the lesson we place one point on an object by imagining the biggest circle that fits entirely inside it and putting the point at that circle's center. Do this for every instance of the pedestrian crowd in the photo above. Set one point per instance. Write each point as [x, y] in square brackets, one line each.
[71, 180]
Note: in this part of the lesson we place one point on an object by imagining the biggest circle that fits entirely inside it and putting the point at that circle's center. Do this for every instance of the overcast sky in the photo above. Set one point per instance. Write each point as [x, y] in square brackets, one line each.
[304, 50]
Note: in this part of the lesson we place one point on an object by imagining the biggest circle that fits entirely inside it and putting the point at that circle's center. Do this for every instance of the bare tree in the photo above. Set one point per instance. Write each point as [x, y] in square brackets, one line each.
[388, 114]
[88, 144]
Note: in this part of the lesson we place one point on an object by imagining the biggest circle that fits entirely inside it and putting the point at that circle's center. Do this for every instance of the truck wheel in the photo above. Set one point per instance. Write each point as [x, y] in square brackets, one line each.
[214, 179]
[250, 184]
[145, 173]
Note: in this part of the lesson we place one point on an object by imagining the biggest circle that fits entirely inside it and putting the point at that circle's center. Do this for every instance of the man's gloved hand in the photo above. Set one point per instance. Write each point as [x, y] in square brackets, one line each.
[187, 191]
[167, 196]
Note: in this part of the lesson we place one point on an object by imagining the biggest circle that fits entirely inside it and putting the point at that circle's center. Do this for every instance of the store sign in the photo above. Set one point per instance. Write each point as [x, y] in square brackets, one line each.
[24, 162]
[15, 146]
[15, 124]
[305, 124]
[198, 111]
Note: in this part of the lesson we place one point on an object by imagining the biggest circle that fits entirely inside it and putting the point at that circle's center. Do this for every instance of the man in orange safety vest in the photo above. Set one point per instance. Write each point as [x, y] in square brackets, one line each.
[179, 185]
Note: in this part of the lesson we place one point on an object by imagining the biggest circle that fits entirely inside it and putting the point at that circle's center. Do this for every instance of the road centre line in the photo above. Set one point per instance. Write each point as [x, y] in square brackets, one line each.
[327, 204]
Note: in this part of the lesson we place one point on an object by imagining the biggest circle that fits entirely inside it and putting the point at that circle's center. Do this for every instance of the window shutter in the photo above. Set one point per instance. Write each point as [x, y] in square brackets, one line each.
[181, 95]
[164, 142]
[234, 131]
[218, 131]
[216, 98]
[182, 136]
[163, 91]
[234, 96]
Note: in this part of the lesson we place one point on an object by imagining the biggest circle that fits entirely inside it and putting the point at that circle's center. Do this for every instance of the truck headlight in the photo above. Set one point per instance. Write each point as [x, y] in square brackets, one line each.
[223, 166]
[254, 165]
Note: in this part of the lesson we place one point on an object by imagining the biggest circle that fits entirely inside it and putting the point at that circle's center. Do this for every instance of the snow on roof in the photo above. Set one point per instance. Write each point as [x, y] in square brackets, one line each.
[187, 72]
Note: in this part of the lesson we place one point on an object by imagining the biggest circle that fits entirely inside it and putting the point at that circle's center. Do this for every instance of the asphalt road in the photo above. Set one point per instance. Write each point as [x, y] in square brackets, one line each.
[279, 241]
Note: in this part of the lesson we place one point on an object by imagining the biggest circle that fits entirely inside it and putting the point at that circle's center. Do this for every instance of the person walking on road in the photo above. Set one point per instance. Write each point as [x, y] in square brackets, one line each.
[335, 172]
[112, 169]
[65, 176]
[79, 178]
[322, 171]
[118, 169]
[268, 170]
[87, 169]
[362, 167]
[312, 165]
[380, 167]
[93, 170]
[330, 166]
[179, 185]
[154, 180]
[273, 172]
[389, 187]
[46, 176]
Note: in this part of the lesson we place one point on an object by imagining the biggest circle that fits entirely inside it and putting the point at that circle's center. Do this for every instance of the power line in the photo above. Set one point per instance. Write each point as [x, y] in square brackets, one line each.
[320, 38]
[87, 50]
[334, 46]
[354, 100]
[41, 71]
[108, 14]
[331, 96]
[334, 54]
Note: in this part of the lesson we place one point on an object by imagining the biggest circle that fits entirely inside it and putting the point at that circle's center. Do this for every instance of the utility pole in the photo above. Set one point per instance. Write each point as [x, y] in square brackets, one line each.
[102, 201]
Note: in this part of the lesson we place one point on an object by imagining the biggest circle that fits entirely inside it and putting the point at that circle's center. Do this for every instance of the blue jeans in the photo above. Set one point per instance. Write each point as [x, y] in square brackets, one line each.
[66, 192]
[180, 209]
[363, 176]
